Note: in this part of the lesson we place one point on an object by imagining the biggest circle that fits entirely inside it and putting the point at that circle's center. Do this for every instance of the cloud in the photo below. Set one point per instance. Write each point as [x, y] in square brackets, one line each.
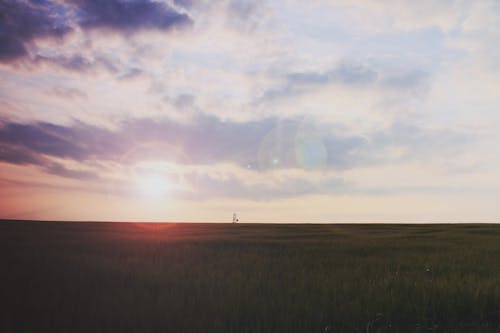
[243, 9]
[209, 157]
[62, 171]
[416, 142]
[356, 77]
[183, 3]
[18, 155]
[131, 73]
[76, 62]
[23, 21]
[44, 138]
[67, 93]
[345, 73]
[91, 63]
[232, 186]
[184, 101]
[245, 15]
[262, 145]
[205, 140]
[128, 16]
[407, 79]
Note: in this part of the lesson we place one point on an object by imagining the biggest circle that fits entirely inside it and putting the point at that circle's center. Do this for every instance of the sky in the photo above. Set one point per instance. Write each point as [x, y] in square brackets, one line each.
[280, 111]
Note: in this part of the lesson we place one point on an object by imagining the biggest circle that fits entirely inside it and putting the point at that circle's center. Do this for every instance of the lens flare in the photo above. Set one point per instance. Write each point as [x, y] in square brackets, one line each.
[311, 154]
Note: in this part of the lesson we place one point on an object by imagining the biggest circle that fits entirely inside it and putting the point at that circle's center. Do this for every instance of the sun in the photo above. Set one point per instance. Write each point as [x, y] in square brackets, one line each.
[153, 185]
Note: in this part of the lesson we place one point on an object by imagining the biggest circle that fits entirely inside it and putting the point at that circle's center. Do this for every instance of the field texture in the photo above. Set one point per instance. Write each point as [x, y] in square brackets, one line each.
[131, 277]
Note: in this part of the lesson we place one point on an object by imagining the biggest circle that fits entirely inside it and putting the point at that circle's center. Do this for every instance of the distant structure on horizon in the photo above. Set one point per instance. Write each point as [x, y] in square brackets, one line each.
[235, 218]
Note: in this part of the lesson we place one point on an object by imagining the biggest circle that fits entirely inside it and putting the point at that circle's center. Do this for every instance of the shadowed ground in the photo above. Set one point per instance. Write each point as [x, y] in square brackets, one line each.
[133, 277]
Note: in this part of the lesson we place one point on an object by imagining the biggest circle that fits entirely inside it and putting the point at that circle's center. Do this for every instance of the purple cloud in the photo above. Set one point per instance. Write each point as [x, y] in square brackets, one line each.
[15, 154]
[128, 16]
[297, 83]
[18, 154]
[44, 138]
[60, 170]
[23, 21]
[260, 144]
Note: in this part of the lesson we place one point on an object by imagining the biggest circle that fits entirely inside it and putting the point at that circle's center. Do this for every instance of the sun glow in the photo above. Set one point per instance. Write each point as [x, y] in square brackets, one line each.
[153, 185]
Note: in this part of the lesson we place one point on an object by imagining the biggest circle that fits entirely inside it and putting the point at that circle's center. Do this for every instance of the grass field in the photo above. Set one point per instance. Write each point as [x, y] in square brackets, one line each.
[132, 277]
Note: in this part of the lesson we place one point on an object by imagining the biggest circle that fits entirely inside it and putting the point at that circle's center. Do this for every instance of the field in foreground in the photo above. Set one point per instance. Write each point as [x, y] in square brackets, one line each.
[131, 277]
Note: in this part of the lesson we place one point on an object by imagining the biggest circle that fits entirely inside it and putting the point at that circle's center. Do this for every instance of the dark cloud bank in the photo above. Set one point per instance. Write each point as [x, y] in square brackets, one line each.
[22, 22]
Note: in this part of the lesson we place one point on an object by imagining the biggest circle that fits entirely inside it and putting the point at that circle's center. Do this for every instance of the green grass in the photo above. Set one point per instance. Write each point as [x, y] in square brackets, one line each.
[125, 277]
